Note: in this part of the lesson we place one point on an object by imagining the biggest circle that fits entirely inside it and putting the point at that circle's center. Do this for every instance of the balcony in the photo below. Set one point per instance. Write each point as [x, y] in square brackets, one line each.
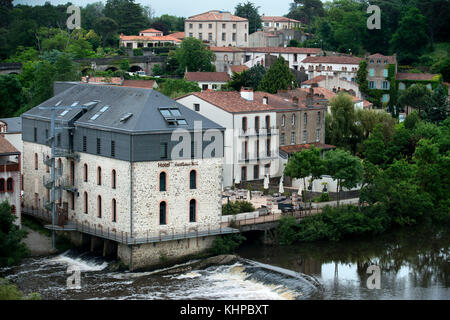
[66, 153]
[66, 184]
[48, 182]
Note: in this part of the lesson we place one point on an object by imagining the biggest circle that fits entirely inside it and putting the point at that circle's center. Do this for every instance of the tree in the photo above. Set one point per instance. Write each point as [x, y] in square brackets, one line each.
[307, 163]
[306, 10]
[361, 78]
[249, 11]
[375, 147]
[278, 77]
[247, 78]
[367, 120]
[193, 55]
[90, 14]
[442, 67]
[343, 167]
[410, 40]
[417, 96]
[437, 111]
[12, 250]
[11, 95]
[130, 16]
[106, 27]
[341, 129]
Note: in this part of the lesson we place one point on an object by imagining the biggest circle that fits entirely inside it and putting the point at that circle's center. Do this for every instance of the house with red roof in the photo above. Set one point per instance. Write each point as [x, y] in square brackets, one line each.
[344, 67]
[208, 80]
[148, 38]
[274, 23]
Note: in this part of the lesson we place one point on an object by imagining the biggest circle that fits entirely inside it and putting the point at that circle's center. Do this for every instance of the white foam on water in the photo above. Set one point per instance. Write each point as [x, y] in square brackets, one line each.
[83, 265]
[189, 275]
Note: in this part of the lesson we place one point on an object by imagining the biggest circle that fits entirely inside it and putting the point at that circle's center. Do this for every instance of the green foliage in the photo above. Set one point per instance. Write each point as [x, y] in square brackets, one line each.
[249, 11]
[125, 65]
[438, 108]
[416, 96]
[175, 88]
[247, 78]
[193, 55]
[278, 77]
[138, 52]
[442, 67]
[287, 230]
[9, 291]
[157, 70]
[237, 207]
[12, 250]
[11, 95]
[324, 197]
[226, 244]
[129, 16]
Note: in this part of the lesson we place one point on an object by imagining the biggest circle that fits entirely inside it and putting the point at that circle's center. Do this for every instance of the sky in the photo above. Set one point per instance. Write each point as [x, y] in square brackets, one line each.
[186, 8]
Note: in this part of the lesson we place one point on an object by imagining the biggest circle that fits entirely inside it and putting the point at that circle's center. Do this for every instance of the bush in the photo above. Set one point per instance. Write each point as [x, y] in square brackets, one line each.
[226, 244]
[238, 207]
[9, 291]
[287, 230]
[138, 52]
[324, 197]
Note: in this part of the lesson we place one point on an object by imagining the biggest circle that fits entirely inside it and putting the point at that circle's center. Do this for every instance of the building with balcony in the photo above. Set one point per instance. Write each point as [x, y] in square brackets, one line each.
[344, 67]
[10, 177]
[251, 136]
[128, 164]
[218, 28]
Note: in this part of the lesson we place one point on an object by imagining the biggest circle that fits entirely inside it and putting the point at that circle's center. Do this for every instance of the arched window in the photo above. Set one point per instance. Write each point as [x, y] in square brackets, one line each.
[293, 119]
[85, 173]
[85, 202]
[163, 213]
[244, 124]
[192, 210]
[114, 210]
[283, 120]
[113, 179]
[2, 185]
[36, 167]
[99, 176]
[99, 206]
[162, 181]
[257, 124]
[193, 179]
[9, 185]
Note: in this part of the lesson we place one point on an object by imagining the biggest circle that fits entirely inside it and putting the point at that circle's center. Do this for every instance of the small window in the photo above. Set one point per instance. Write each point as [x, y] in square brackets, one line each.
[113, 179]
[244, 174]
[35, 135]
[99, 206]
[9, 185]
[162, 181]
[163, 213]
[85, 173]
[58, 137]
[193, 179]
[317, 135]
[99, 176]
[283, 120]
[165, 112]
[182, 122]
[305, 119]
[84, 143]
[196, 107]
[36, 161]
[192, 210]
[163, 150]
[85, 202]
[305, 136]
[175, 112]
[293, 120]
[113, 148]
[2, 185]
[292, 137]
[114, 210]
[282, 139]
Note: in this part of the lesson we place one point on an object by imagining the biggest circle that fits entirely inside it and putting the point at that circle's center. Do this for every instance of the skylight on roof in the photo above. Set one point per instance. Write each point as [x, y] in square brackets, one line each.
[64, 112]
[126, 117]
[104, 109]
[165, 112]
[175, 112]
[95, 116]
[100, 112]
[182, 122]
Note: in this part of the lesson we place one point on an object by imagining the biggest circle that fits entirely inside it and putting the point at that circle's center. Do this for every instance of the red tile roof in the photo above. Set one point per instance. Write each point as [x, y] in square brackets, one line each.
[316, 79]
[299, 147]
[415, 76]
[149, 38]
[207, 76]
[284, 50]
[147, 84]
[278, 19]
[278, 101]
[238, 69]
[177, 35]
[102, 80]
[215, 15]
[332, 59]
[231, 101]
[151, 30]
[6, 148]
[390, 59]
[225, 49]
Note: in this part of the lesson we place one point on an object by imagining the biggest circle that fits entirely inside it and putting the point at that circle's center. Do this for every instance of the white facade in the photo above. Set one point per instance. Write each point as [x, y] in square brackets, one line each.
[210, 85]
[252, 58]
[235, 157]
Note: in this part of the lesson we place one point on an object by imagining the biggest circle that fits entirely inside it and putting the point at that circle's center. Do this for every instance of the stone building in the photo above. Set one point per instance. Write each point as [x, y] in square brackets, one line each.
[10, 176]
[271, 23]
[218, 28]
[124, 175]
[378, 72]
[344, 67]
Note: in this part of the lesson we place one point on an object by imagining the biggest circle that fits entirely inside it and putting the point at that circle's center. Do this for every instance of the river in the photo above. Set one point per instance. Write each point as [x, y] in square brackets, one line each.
[414, 264]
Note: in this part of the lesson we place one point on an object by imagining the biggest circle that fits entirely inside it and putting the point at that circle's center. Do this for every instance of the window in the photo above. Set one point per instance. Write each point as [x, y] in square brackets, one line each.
[113, 179]
[305, 136]
[268, 147]
[317, 135]
[385, 85]
[196, 107]
[210, 26]
[223, 25]
[99, 206]
[113, 148]
[9, 185]
[244, 124]
[233, 37]
[2, 185]
[372, 85]
[99, 146]
[223, 36]
[371, 72]
[244, 174]
[200, 36]
[210, 36]
[378, 61]
[255, 172]
[162, 181]
[47, 167]
[163, 213]
[318, 118]
[429, 86]
[99, 176]
[72, 201]
[385, 61]
[200, 25]
[257, 124]
[190, 25]
[85, 173]
[371, 61]
[401, 86]
[245, 37]
[85, 202]
[257, 149]
[385, 73]
[60, 167]
[385, 98]
[163, 150]
[192, 210]
[35, 135]
[36, 160]
[84, 143]
[234, 25]
[193, 179]
[58, 139]
[283, 120]
[282, 138]
[114, 210]
[191, 34]
[72, 173]
[268, 122]
[292, 137]
[305, 119]
[293, 120]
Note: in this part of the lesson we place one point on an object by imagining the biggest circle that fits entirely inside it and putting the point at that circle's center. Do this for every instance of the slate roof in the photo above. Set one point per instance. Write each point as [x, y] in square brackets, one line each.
[142, 103]
[14, 124]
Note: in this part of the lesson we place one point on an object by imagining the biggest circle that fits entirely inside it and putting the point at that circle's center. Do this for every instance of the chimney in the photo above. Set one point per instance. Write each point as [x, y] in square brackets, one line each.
[247, 94]
[265, 100]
